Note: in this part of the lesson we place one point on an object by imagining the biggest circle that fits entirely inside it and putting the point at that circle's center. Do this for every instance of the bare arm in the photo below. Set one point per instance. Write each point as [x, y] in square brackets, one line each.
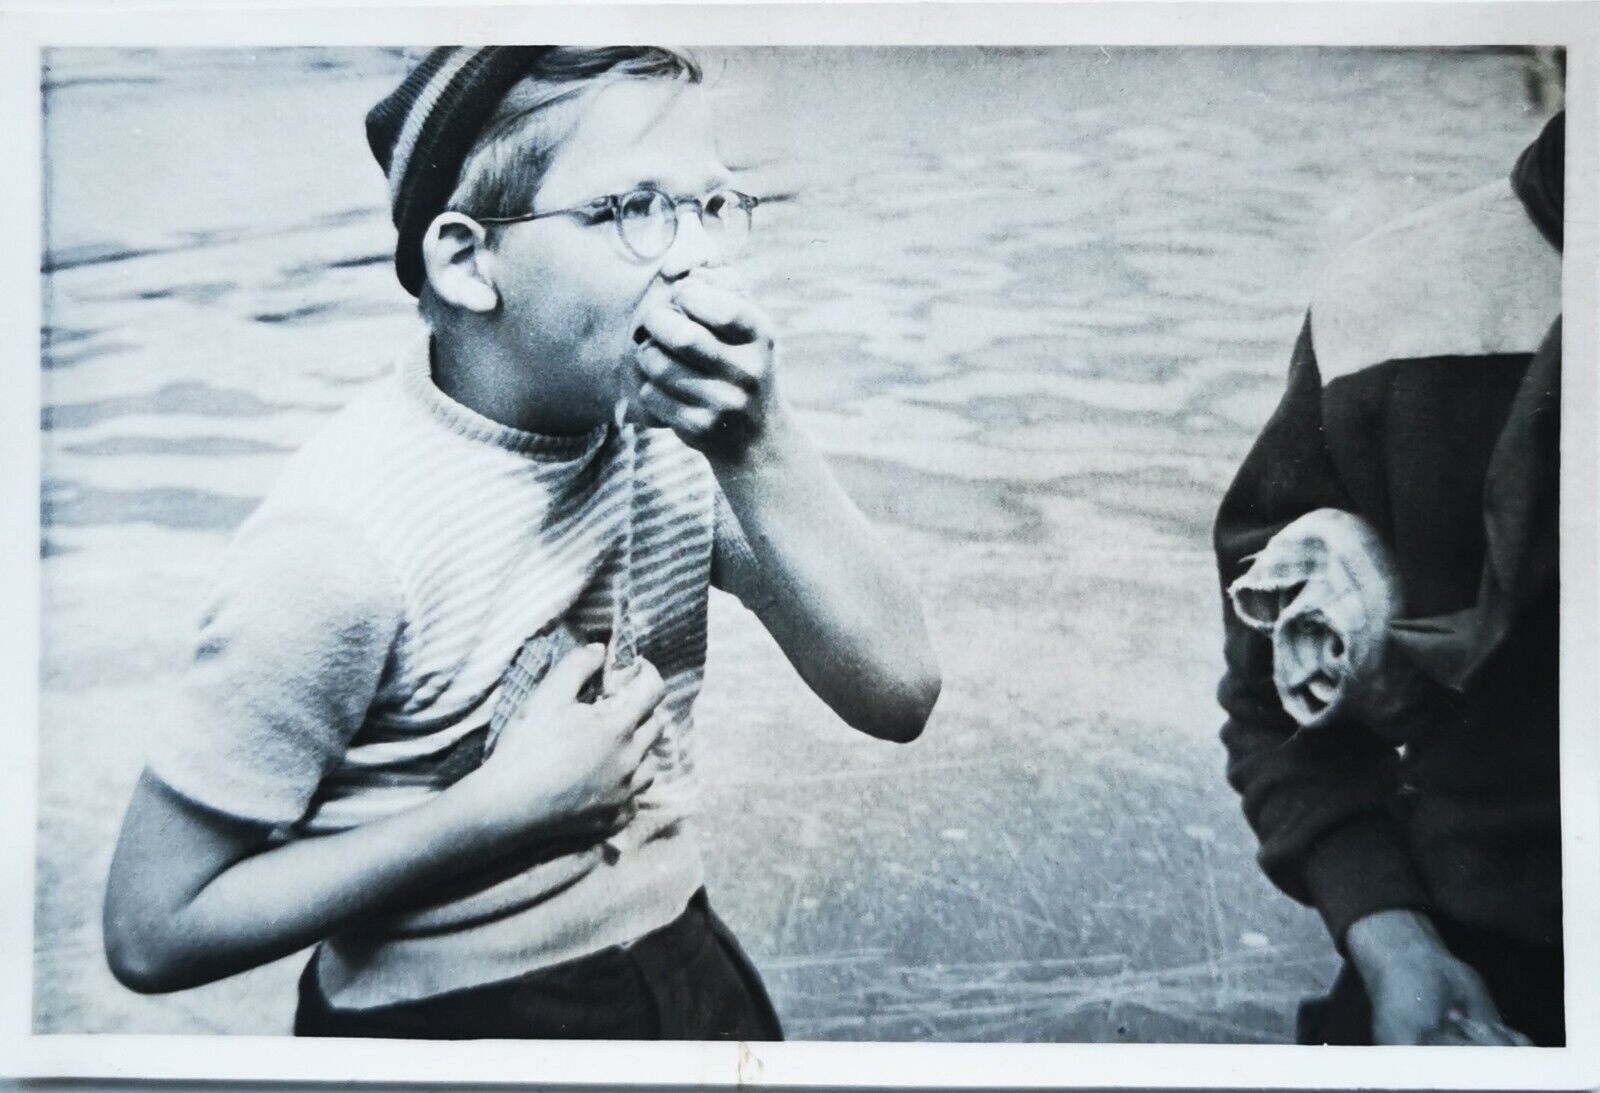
[195, 895]
[841, 607]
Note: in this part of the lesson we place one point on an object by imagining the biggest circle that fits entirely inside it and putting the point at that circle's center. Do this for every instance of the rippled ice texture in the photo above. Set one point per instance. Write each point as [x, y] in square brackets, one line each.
[1034, 305]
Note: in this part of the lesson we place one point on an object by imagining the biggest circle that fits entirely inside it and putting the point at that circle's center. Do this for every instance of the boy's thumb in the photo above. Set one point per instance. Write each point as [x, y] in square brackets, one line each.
[575, 669]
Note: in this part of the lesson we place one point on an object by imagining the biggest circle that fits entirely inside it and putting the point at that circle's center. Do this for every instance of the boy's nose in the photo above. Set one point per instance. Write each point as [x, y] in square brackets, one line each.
[692, 248]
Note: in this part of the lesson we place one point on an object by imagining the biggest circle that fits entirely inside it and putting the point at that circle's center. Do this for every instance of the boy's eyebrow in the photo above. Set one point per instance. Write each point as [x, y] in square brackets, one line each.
[713, 181]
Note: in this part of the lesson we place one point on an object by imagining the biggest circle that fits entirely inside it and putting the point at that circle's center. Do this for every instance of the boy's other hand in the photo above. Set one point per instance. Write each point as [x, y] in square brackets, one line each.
[1421, 993]
[705, 367]
[561, 762]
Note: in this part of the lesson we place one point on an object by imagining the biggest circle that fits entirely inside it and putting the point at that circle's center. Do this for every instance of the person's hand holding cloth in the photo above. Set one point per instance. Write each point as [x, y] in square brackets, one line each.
[1324, 590]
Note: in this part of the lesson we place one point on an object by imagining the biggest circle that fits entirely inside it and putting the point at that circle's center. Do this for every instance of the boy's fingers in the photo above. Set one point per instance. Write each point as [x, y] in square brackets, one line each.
[645, 737]
[696, 346]
[693, 421]
[683, 338]
[637, 699]
[687, 385]
[568, 675]
[650, 730]
[727, 314]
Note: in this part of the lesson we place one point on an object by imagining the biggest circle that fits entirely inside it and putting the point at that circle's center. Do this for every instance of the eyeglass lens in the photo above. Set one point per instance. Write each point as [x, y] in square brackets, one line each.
[648, 221]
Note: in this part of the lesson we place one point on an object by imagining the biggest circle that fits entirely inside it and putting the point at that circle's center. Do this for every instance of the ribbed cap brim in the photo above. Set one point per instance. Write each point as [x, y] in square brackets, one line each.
[421, 134]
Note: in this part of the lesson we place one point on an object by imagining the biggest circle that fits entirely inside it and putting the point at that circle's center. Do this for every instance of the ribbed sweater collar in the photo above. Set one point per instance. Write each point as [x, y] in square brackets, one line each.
[416, 375]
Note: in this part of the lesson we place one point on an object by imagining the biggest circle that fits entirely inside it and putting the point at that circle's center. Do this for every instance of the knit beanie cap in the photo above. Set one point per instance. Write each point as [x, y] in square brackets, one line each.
[422, 132]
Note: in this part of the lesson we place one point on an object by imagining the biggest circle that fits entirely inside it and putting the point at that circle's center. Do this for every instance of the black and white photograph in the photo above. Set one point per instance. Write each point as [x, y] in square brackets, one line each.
[679, 538]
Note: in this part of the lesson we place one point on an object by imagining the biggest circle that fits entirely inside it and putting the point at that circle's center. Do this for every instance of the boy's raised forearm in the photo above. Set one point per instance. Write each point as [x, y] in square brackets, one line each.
[841, 607]
[844, 612]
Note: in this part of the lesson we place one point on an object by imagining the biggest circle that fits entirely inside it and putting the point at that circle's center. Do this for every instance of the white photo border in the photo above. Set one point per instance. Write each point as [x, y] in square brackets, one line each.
[164, 1059]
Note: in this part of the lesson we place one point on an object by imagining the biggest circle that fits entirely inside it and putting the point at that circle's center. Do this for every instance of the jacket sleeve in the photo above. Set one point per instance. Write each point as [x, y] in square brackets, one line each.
[1320, 801]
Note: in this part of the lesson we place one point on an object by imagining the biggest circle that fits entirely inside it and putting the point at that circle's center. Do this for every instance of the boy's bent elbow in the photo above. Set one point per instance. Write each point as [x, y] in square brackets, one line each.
[138, 963]
[169, 851]
[904, 707]
[925, 696]
[146, 947]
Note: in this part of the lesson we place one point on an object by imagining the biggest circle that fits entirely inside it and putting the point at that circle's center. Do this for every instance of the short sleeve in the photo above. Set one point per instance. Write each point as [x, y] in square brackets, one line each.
[292, 645]
[734, 566]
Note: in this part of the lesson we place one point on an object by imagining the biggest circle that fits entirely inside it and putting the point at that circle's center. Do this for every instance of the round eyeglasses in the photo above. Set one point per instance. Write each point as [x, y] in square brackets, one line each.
[647, 219]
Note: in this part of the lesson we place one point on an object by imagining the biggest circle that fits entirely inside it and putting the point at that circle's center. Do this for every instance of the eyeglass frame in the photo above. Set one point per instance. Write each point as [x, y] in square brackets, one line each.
[612, 203]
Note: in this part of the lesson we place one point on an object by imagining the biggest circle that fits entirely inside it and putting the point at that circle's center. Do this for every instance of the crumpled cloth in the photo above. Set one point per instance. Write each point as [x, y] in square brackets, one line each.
[1325, 590]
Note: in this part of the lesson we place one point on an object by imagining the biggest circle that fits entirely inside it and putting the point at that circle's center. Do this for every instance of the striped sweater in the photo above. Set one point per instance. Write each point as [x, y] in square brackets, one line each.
[356, 647]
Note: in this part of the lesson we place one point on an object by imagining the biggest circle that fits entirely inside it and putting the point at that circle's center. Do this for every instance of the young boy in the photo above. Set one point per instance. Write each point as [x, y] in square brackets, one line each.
[1424, 399]
[390, 746]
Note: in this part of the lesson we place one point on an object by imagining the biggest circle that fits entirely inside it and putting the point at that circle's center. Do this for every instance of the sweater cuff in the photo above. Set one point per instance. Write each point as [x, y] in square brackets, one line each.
[1359, 869]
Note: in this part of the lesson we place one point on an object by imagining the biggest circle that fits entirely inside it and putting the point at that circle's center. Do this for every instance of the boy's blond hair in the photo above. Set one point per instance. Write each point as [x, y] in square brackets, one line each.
[509, 159]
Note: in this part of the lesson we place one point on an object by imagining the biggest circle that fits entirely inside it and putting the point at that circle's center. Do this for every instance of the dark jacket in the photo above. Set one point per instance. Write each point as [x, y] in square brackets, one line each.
[1422, 396]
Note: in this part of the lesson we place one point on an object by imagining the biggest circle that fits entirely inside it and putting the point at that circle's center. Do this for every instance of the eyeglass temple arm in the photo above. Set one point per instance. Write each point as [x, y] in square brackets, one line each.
[525, 217]
[613, 203]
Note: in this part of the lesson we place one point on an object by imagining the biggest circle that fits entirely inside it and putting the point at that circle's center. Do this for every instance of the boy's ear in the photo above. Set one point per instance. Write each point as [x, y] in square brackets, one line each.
[454, 253]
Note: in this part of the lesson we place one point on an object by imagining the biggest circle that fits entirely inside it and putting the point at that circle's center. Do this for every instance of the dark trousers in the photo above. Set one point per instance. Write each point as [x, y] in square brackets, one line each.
[1526, 983]
[689, 980]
